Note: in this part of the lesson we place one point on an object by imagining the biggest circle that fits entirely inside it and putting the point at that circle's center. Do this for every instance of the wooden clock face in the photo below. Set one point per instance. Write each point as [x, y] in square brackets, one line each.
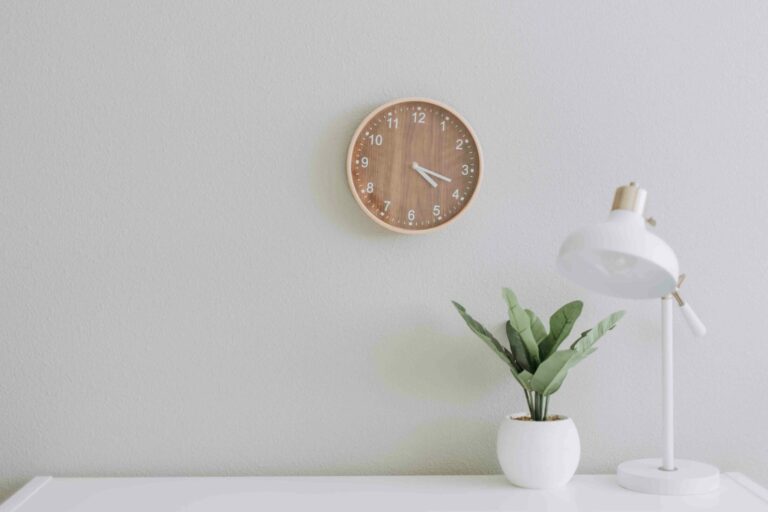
[414, 165]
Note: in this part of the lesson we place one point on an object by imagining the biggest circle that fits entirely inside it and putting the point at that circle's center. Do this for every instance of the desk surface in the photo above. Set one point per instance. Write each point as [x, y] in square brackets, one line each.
[363, 493]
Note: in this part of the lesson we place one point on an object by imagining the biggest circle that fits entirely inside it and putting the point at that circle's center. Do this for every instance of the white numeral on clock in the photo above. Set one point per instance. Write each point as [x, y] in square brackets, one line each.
[386, 205]
[411, 215]
[392, 122]
[464, 170]
[369, 188]
[376, 140]
[419, 117]
[455, 194]
[364, 162]
[436, 210]
[459, 144]
[442, 125]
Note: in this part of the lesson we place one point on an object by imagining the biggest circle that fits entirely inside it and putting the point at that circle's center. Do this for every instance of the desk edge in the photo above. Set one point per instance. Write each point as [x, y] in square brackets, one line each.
[32, 487]
[23, 495]
[744, 481]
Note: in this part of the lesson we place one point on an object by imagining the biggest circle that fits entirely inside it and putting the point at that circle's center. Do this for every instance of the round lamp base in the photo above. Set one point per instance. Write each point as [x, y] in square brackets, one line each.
[690, 477]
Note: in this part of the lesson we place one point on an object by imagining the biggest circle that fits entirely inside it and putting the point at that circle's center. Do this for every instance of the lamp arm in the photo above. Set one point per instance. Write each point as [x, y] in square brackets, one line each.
[691, 318]
[694, 322]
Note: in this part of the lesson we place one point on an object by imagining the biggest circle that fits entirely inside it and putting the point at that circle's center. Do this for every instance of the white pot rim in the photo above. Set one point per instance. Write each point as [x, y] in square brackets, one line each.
[516, 416]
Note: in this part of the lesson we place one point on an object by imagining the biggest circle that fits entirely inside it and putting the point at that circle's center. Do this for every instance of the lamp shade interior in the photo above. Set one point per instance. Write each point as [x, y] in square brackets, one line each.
[620, 258]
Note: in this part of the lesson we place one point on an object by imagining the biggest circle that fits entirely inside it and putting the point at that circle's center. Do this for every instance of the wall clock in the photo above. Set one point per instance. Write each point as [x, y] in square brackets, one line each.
[414, 165]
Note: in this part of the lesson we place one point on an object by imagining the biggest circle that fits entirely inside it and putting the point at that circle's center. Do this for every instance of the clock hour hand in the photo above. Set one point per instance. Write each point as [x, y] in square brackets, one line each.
[424, 175]
[432, 173]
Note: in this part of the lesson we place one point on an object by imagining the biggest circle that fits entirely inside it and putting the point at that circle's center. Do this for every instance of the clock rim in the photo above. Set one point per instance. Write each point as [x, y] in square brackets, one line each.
[353, 187]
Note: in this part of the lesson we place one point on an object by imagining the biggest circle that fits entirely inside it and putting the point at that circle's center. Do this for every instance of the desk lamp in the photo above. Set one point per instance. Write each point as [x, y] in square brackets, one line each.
[622, 258]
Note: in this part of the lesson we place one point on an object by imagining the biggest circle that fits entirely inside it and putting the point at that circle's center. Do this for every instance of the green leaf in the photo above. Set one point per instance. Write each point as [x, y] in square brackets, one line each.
[522, 324]
[524, 378]
[519, 350]
[588, 338]
[487, 337]
[582, 356]
[537, 328]
[560, 325]
[550, 374]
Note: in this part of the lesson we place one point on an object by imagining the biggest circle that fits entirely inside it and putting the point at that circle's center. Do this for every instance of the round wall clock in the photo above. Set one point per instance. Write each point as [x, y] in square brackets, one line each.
[414, 165]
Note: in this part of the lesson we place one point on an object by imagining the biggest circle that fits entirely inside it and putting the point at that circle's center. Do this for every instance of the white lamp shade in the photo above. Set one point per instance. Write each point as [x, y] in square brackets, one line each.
[620, 258]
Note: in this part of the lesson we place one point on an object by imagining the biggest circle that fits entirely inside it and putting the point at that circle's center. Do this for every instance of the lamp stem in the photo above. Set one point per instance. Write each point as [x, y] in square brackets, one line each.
[673, 477]
[667, 364]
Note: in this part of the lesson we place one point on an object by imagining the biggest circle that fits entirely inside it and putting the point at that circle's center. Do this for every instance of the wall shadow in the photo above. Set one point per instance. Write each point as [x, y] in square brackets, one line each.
[455, 445]
[329, 176]
[425, 363]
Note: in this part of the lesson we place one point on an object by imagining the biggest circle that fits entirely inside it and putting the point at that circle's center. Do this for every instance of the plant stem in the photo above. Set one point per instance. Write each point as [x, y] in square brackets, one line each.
[530, 404]
[537, 407]
[546, 406]
[541, 407]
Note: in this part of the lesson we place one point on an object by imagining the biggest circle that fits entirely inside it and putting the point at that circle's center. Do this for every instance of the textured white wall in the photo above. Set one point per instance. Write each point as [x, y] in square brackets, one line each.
[188, 287]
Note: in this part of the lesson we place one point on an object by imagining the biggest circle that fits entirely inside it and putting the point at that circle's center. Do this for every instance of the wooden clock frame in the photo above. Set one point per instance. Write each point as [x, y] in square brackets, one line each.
[350, 159]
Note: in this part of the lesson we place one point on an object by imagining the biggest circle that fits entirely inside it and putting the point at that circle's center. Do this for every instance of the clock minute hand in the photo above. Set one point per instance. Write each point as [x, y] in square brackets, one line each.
[433, 173]
[424, 175]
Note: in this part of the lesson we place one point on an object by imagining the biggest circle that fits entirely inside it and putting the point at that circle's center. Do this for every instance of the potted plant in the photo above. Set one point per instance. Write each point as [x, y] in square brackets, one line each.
[535, 449]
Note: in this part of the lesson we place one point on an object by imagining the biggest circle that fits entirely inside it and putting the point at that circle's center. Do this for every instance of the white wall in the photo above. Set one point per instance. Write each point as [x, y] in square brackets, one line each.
[188, 287]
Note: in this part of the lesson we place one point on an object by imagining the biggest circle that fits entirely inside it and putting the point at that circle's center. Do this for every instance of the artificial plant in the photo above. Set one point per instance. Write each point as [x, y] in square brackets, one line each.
[533, 356]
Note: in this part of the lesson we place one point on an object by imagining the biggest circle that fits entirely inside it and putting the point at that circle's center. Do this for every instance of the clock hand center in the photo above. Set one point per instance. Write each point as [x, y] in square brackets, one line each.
[424, 175]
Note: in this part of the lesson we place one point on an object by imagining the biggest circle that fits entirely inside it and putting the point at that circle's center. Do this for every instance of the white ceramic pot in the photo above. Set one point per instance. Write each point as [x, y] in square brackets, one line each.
[538, 454]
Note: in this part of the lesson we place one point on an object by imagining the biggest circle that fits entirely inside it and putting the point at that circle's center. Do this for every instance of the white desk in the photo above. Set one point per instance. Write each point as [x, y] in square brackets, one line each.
[592, 493]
